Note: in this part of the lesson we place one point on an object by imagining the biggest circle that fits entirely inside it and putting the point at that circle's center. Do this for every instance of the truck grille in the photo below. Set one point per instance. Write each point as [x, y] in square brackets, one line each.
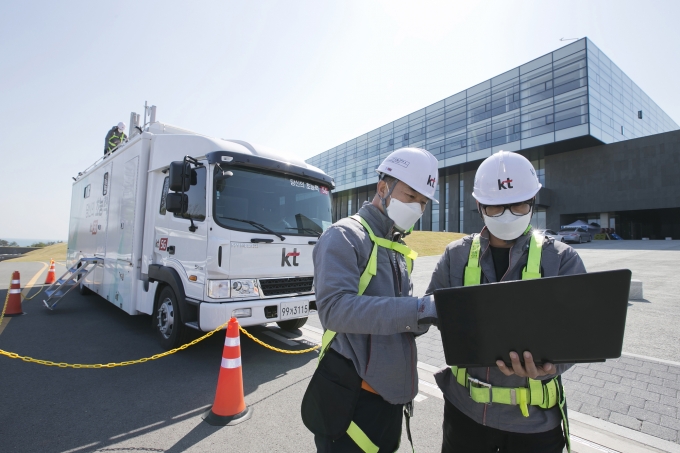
[278, 286]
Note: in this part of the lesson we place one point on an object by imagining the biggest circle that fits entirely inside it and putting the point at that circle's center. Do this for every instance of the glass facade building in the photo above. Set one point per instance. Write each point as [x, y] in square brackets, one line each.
[571, 93]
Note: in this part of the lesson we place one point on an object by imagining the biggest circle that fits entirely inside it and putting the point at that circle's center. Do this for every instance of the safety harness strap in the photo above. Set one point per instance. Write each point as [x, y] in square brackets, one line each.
[541, 394]
[533, 267]
[371, 270]
[354, 432]
[473, 272]
[361, 439]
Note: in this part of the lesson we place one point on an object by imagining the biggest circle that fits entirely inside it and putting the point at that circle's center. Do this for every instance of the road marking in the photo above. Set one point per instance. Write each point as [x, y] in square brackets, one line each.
[82, 448]
[280, 338]
[137, 430]
[32, 281]
[592, 445]
[430, 389]
[5, 321]
[193, 411]
[313, 329]
[419, 397]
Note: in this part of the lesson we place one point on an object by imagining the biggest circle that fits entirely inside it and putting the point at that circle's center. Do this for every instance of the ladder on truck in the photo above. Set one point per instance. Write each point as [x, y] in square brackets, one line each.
[69, 280]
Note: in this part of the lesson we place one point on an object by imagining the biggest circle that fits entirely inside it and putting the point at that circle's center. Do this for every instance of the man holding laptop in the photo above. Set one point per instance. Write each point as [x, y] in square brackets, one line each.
[518, 406]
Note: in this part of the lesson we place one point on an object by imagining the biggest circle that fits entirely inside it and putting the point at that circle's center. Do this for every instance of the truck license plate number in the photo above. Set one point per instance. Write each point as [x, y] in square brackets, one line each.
[294, 310]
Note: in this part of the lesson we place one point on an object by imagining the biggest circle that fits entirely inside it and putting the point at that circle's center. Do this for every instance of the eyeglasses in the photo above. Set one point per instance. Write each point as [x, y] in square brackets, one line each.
[518, 209]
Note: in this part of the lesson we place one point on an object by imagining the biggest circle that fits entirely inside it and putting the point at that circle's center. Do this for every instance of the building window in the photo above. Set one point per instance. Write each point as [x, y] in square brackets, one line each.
[539, 165]
[538, 219]
[435, 211]
[461, 204]
[349, 207]
[446, 206]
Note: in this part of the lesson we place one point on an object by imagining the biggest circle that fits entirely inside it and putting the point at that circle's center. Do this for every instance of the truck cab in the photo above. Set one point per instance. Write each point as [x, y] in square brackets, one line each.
[199, 229]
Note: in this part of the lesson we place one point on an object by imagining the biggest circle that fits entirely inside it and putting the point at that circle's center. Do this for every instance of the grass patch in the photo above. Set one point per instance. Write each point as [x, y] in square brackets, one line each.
[57, 252]
[430, 243]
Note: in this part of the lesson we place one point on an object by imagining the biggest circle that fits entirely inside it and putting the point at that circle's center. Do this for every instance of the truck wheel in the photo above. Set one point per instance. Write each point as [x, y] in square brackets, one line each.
[292, 324]
[167, 320]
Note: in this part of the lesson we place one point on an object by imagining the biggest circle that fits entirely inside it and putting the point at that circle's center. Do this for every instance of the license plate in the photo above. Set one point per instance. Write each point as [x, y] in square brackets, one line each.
[294, 310]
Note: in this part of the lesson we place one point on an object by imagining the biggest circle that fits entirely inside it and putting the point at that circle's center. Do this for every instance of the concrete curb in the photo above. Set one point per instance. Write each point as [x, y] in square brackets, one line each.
[628, 433]
[651, 359]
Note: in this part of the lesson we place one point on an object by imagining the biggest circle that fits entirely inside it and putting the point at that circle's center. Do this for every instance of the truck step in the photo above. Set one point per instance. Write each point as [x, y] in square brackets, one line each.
[57, 290]
[193, 325]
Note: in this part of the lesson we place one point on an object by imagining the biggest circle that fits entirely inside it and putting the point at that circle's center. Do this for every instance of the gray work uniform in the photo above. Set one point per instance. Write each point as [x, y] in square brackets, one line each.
[557, 259]
[375, 330]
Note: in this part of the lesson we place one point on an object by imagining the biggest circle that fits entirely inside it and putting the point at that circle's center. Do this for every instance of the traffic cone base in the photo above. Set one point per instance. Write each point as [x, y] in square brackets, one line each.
[14, 300]
[227, 420]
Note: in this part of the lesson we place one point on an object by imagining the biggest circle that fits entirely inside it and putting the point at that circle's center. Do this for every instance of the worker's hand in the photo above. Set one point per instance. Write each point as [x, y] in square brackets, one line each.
[530, 369]
[427, 312]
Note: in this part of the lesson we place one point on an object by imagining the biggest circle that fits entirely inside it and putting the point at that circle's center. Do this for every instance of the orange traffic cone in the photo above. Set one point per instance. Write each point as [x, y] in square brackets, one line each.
[230, 407]
[51, 274]
[14, 299]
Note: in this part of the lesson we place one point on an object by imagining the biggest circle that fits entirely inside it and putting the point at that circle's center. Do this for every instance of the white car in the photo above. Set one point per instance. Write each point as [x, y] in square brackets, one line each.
[551, 234]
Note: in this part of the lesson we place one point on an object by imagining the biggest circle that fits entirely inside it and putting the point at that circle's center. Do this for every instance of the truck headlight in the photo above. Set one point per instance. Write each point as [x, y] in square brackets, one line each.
[244, 288]
[219, 289]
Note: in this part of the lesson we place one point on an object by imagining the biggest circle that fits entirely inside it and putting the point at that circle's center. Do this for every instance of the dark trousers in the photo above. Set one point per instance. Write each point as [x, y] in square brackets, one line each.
[378, 419]
[462, 434]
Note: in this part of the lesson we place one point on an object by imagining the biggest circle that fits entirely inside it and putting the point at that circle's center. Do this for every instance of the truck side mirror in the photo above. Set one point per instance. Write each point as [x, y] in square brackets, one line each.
[182, 176]
[177, 203]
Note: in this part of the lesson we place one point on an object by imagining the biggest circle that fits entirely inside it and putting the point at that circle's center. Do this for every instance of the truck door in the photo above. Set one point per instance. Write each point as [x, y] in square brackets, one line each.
[186, 249]
[121, 290]
[101, 226]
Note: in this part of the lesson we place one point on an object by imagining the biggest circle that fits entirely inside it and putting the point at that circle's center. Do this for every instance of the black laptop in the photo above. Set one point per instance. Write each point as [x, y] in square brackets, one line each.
[566, 319]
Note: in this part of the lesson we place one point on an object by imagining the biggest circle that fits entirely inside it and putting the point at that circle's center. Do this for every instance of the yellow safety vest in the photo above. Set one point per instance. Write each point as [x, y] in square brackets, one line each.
[544, 395]
[354, 432]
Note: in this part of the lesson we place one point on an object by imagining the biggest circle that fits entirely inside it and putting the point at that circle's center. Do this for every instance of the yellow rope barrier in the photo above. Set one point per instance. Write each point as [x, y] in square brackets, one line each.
[283, 351]
[13, 355]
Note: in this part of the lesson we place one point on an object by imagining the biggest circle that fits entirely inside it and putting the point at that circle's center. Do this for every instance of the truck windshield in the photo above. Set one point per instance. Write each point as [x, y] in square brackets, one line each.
[286, 205]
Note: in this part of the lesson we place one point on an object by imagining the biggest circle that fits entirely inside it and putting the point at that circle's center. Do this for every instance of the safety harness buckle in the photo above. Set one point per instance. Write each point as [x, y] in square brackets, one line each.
[480, 384]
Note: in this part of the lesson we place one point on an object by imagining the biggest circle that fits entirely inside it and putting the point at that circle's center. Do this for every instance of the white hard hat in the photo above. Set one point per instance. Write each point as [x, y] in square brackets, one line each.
[121, 125]
[505, 178]
[415, 167]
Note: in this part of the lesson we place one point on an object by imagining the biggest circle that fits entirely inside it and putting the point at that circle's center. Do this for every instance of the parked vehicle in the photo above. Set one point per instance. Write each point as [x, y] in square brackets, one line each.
[578, 234]
[194, 230]
[551, 234]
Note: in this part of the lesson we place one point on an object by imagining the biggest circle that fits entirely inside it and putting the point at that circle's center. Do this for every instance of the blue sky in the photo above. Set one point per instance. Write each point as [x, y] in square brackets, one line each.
[301, 76]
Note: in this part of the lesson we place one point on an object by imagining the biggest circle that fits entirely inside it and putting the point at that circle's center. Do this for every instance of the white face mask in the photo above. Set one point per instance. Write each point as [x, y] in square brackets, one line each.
[404, 215]
[508, 226]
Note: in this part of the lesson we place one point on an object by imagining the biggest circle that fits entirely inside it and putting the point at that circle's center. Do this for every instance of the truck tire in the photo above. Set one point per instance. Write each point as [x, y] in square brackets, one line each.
[167, 320]
[292, 324]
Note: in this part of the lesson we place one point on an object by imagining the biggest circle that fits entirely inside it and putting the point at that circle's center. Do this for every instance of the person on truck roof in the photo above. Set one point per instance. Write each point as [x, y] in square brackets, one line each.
[115, 137]
[477, 419]
[367, 373]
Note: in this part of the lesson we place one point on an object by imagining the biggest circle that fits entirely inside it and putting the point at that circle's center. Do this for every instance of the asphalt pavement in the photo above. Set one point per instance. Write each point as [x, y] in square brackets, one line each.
[157, 406]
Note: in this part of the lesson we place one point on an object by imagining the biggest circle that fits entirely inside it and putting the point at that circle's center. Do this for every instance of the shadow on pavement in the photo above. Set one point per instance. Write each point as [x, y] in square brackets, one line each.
[57, 409]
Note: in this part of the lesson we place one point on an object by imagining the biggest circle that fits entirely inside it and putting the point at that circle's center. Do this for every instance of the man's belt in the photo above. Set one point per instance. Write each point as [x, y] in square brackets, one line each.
[367, 387]
[542, 394]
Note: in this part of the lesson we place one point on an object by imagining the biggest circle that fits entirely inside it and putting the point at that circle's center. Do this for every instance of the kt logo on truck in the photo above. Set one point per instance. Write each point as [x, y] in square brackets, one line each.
[285, 256]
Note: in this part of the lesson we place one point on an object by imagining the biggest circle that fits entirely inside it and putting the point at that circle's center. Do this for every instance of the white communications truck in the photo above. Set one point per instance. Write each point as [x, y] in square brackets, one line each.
[194, 230]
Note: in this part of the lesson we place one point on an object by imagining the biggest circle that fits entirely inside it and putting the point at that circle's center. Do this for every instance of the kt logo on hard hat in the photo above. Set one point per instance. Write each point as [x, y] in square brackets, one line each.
[501, 185]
